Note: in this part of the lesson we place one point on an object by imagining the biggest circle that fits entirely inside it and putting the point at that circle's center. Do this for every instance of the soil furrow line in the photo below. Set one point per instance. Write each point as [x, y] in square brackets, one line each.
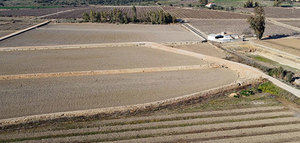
[269, 138]
[217, 135]
[136, 120]
[202, 128]
[149, 125]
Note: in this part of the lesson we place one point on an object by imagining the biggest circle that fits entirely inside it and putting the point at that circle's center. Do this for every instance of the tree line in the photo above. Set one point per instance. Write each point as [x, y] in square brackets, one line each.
[118, 16]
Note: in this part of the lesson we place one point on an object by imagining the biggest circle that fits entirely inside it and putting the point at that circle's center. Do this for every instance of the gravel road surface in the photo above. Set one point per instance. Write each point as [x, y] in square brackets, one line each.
[45, 61]
[39, 96]
[70, 34]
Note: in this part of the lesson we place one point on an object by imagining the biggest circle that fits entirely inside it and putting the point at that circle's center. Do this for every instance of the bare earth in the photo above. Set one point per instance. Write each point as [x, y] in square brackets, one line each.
[9, 25]
[295, 23]
[70, 34]
[289, 45]
[107, 58]
[40, 96]
[203, 48]
[238, 26]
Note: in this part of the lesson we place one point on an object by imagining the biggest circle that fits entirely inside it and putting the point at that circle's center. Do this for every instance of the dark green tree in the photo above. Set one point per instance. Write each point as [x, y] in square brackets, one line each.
[98, 17]
[257, 21]
[134, 18]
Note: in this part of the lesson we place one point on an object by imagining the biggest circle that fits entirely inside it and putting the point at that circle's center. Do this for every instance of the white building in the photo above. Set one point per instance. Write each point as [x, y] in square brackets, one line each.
[224, 37]
[210, 5]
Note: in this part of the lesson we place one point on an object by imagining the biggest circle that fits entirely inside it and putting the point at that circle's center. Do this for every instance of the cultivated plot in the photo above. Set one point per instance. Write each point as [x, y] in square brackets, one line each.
[25, 97]
[237, 26]
[31, 12]
[77, 13]
[289, 45]
[107, 58]
[163, 79]
[203, 13]
[277, 12]
[70, 34]
[203, 48]
[295, 23]
[9, 25]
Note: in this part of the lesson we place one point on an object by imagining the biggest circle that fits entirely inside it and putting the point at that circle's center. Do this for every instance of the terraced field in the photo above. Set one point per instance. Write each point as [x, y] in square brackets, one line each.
[203, 13]
[256, 124]
[88, 33]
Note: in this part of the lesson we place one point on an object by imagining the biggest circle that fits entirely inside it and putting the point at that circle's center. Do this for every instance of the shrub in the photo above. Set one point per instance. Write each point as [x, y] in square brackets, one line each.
[86, 17]
[246, 92]
[281, 74]
[277, 3]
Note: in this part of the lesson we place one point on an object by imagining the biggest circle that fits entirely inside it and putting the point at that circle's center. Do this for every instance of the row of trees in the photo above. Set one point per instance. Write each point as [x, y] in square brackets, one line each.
[118, 16]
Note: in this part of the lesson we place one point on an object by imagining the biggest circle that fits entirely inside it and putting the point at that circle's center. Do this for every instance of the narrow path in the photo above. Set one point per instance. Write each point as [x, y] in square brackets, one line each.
[43, 16]
[24, 30]
[195, 31]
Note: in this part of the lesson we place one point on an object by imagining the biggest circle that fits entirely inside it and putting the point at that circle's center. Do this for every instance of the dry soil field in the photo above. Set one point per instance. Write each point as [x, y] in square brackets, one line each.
[258, 118]
[141, 11]
[203, 13]
[56, 94]
[9, 25]
[277, 12]
[295, 23]
[31, 12]
[289, 45]
[98, 92]
[70, 34]
[203, 48]
[236, 26]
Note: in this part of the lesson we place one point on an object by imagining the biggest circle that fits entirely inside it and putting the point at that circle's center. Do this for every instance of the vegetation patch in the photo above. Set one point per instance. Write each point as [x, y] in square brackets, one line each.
[268, 87]
[118, 16]
[263, 59]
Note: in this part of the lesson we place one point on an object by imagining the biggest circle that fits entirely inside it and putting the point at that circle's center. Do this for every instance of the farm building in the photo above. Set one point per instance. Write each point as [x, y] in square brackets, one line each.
[224, 37]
